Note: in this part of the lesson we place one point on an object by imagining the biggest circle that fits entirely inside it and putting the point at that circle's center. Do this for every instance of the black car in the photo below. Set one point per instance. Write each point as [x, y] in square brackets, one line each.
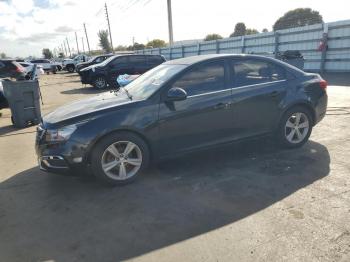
[106, 73]
[181, 106]
[92, 61]
[11, 69]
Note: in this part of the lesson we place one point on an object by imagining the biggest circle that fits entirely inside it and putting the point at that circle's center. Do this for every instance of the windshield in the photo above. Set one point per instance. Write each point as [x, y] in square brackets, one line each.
[145, 85]
[92, 59]
[107, 61]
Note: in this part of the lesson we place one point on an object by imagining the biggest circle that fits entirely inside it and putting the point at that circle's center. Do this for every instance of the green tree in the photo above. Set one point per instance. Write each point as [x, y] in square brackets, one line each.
[251, 31]
[211, 37]
[121, 48]
[265, 30]
[47, 53]
[156, 43]
[2, 55]
[298, 17]
[104, 41]
[136, 46]
[240, 29]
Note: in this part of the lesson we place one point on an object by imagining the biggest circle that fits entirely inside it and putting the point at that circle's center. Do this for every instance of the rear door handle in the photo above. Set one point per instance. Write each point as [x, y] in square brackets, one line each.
[222, 106]
[274, 94]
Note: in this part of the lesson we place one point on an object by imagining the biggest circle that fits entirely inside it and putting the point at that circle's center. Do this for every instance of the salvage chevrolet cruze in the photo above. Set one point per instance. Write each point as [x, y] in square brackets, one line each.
[181, 106]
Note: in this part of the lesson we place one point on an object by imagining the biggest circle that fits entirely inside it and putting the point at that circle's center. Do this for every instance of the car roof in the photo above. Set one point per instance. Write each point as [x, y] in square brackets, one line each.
[200, 58]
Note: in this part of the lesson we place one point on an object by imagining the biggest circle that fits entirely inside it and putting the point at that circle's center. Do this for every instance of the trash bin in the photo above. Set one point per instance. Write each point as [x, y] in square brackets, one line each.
[24, 101]
[292, 57]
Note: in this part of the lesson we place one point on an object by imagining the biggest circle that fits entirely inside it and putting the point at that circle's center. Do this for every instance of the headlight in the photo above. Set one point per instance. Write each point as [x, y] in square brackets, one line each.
[62, 134]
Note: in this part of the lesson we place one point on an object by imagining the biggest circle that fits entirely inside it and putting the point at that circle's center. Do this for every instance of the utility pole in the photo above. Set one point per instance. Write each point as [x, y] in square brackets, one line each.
[70, 54]
[82, 42]
[76, 40]
[170, 24]
[65, 49]
[109, 27]
[87, 39]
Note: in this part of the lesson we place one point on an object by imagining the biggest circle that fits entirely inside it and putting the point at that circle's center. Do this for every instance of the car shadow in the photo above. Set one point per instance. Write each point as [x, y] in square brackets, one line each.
[49, 217]
[11, 130]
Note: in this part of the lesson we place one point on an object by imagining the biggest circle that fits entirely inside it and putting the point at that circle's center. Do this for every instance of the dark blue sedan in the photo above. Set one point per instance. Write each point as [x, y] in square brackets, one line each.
[181, 106]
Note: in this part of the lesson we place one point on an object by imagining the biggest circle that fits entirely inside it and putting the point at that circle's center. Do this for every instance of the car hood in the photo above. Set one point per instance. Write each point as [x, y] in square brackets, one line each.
[87, 107]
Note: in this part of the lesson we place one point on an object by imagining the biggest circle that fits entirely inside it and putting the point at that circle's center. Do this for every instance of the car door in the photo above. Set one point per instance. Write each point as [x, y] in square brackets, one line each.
[118, 66]
[259, 86]
[204, 118]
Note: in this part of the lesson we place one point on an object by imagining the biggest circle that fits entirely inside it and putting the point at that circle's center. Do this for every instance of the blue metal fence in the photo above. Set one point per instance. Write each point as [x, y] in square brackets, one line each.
[334, 58]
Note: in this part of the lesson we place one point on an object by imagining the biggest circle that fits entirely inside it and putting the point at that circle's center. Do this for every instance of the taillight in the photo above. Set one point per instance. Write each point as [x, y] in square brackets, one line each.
[323, 84]
[19, 69]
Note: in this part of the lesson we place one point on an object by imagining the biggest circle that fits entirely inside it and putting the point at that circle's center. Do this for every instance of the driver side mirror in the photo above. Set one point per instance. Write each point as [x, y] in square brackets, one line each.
[176, 94]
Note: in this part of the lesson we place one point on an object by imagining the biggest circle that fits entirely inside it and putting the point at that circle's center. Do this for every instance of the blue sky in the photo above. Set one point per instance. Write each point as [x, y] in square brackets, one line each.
[27, 26]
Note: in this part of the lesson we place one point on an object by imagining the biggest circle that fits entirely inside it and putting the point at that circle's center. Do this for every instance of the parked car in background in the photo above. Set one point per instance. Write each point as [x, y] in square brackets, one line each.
[28, 67]
[11, 69]
[58, 64]
[46, 64]
[3, 100]
[70, 64]
[181, 106]
[92, 61]
[106, 73]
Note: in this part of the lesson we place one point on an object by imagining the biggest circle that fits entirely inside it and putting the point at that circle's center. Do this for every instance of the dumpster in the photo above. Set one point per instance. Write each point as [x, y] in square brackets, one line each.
[24, 101]
[292, 57]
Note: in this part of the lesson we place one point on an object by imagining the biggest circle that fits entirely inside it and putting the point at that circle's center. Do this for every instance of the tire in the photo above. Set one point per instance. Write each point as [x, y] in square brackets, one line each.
[100, 82]
[70, 68]
[112, 165]
[294, 134]
[114, 83]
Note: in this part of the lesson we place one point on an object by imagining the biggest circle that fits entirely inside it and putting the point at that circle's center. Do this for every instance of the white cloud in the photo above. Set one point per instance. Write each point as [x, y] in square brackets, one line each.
[25, 28]
[23, 6]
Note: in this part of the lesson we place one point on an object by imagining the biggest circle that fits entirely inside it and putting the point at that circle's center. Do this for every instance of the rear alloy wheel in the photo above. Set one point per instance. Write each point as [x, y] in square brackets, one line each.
[100, 82]
[295, 127]
[119, 158]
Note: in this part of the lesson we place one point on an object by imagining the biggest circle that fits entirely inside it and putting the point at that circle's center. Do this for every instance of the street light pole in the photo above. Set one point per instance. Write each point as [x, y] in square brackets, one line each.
[170, 24]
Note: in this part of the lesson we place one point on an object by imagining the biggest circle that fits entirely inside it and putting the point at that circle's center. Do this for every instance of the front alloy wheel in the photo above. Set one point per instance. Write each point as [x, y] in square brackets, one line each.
[100, 82]
[121, 160]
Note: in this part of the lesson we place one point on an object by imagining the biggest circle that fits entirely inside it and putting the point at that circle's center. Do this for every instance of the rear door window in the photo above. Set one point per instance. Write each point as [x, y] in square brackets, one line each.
[251, 72]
